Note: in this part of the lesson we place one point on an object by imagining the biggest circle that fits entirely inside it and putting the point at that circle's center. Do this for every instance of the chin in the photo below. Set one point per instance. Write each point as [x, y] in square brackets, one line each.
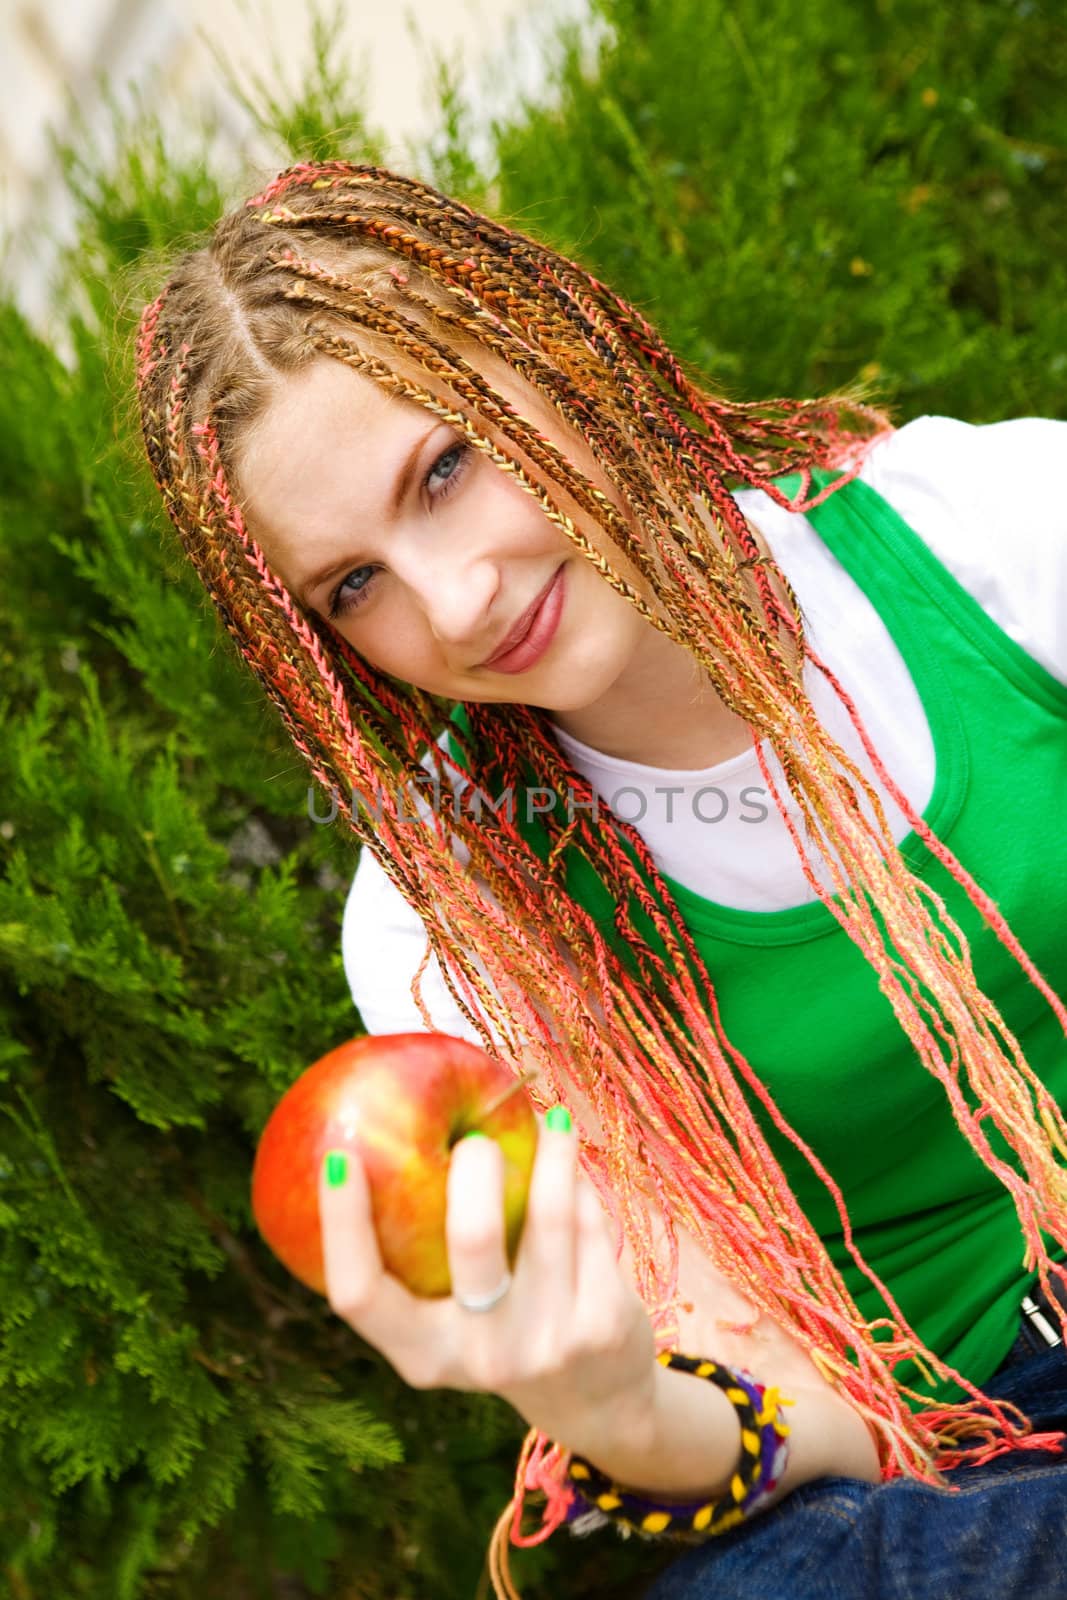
[578, 684]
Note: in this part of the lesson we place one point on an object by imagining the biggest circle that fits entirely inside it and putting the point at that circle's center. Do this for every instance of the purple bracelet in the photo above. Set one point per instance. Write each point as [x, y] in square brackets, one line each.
[596, 1500]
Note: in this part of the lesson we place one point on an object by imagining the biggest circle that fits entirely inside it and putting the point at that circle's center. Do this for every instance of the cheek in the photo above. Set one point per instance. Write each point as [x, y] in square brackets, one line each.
[514, 512]
[397, 641]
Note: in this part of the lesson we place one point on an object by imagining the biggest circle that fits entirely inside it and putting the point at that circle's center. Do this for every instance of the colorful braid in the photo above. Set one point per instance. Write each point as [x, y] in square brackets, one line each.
[355, 264]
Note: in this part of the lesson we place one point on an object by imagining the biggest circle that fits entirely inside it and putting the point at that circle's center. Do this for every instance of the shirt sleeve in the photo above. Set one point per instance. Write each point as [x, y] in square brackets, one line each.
[988, 500]
[383, 940]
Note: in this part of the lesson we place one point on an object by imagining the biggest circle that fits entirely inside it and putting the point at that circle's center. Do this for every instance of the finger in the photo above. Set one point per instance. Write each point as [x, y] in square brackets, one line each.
[352, 1262]
[474, 1228]
[374, 1303]
[548, 1252]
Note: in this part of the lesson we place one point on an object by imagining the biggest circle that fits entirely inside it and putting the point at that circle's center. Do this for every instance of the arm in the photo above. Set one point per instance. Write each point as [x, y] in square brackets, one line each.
[673, 1437]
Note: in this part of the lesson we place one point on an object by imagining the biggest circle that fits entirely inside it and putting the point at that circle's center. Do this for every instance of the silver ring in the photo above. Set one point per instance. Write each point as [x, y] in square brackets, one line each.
[484, 1302]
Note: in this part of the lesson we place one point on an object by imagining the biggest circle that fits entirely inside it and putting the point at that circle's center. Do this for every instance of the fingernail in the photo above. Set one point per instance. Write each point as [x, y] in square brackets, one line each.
[336, 1168]
[558, 1119]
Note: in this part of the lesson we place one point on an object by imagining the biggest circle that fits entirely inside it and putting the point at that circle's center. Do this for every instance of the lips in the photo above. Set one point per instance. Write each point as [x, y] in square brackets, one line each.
[522, 626]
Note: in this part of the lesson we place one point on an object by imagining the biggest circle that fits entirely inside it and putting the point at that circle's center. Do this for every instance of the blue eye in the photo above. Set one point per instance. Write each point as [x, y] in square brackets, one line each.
[345, 599]
[447, 471]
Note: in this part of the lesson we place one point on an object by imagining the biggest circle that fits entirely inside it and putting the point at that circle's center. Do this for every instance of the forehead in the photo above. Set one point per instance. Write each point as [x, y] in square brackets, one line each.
[329, 422]
[328, 402]
[309, 413]
[328, 433]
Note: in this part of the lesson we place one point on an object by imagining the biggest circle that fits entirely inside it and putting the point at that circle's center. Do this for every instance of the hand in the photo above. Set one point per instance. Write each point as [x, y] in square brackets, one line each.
[569, 1339]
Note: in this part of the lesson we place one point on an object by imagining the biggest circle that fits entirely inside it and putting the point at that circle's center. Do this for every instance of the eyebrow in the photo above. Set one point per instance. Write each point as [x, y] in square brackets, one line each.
[396, 499]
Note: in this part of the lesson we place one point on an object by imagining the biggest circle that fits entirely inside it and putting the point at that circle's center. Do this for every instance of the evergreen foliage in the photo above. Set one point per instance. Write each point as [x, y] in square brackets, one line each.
[802, 193]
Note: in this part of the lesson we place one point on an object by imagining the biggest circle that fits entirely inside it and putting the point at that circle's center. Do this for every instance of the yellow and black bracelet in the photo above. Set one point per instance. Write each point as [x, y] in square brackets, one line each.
[763, 1457]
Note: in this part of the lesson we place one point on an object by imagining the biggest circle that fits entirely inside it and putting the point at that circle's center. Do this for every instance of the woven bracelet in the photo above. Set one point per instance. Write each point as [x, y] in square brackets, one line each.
[764, 1451]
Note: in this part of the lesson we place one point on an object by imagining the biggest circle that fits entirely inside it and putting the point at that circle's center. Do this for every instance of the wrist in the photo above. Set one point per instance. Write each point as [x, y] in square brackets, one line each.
[696, 1442]
[678, 1467]
[672, 1440]
[621, 1430]
[752, 1484]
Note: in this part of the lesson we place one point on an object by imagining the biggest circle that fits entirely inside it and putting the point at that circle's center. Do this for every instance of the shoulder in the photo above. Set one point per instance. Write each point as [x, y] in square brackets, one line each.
[986, 470]
[986, 499]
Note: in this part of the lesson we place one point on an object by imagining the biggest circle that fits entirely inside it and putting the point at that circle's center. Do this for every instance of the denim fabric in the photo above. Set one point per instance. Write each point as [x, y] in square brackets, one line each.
[1002, 1535]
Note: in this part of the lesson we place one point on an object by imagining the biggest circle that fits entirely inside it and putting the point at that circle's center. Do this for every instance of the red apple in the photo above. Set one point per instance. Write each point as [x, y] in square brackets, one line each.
[399, 1101]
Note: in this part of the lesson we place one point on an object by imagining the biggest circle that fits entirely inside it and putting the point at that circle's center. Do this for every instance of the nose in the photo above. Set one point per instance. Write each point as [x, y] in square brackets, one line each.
[457, 597]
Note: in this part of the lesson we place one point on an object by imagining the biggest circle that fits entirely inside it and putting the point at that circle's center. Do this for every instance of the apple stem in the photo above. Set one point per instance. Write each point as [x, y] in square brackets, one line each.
[505, 1095]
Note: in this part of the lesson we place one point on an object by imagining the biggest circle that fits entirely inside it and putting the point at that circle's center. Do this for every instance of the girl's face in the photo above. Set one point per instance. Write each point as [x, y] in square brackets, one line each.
[423, 554]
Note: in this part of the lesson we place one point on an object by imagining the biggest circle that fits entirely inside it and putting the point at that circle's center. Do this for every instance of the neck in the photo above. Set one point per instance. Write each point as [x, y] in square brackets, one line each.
[665, 712]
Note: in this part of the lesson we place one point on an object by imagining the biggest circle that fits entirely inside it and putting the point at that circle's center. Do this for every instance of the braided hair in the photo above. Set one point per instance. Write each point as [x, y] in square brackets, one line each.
[358, 265]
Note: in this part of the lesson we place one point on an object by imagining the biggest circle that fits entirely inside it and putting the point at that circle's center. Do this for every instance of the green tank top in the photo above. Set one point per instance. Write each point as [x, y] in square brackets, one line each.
[802, 1003]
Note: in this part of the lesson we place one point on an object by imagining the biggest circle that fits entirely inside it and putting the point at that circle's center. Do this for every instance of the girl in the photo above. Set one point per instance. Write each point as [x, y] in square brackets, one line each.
[655, 713]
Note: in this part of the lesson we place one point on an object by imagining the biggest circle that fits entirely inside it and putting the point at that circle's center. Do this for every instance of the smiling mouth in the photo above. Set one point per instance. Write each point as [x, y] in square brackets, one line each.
[533, 633]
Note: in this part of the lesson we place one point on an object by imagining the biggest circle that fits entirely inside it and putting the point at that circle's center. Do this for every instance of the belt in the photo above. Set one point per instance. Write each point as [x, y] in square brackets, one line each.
[1039, 1325]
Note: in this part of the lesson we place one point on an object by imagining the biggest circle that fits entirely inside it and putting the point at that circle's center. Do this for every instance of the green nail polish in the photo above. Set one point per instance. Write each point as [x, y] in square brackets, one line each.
[558, 1119]
[336, 1168]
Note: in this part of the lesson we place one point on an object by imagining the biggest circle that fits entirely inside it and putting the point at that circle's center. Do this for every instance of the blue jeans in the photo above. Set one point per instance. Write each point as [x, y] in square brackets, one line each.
[1002, 1536]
